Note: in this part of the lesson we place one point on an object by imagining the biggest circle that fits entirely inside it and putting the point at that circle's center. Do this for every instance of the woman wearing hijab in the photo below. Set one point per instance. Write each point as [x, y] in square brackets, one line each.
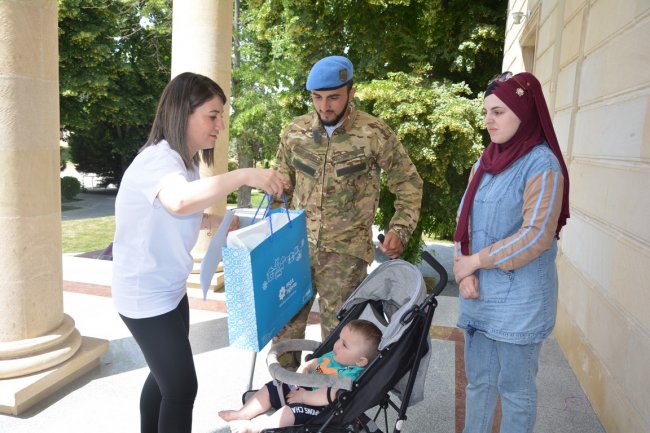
[509, 221]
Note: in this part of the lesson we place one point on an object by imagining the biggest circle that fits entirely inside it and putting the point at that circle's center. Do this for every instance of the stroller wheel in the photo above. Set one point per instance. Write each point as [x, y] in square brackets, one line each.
[367, 425]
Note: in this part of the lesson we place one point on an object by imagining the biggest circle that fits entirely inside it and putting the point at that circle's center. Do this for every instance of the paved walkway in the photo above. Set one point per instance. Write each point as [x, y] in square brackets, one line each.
[106, 399]
[98, 203]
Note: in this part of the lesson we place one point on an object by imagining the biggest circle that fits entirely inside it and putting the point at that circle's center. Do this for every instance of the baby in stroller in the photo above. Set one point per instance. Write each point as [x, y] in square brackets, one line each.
[355, 348]
[394, 298]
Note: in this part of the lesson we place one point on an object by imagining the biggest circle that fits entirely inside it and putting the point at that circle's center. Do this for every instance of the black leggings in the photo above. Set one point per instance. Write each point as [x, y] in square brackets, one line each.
[168, 393]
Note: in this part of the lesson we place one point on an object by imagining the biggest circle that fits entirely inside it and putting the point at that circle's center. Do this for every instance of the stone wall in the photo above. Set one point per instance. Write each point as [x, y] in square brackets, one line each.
[593, 59]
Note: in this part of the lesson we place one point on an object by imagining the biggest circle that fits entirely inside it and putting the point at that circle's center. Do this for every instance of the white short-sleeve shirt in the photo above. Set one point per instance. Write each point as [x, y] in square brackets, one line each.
[151, 249]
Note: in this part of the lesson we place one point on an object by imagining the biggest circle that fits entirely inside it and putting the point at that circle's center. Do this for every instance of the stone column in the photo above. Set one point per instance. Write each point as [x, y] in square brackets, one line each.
[202, 43]
[40, 348]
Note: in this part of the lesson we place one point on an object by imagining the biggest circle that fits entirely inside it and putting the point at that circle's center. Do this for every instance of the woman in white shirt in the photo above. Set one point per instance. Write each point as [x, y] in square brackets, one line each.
[158, 215]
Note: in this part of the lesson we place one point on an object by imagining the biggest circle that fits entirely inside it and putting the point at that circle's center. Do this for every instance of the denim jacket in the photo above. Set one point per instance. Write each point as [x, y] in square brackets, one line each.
[512, 227]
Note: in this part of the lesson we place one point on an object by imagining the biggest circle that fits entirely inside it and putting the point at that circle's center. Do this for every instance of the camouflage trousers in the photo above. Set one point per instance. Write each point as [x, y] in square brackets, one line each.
[334, 278]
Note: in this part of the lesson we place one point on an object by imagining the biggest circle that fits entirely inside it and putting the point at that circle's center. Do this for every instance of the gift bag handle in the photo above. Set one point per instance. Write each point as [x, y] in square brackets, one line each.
[266, 210]
[267, 197]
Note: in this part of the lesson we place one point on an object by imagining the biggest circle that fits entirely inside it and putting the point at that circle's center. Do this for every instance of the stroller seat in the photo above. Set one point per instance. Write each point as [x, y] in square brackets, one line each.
[394, 298]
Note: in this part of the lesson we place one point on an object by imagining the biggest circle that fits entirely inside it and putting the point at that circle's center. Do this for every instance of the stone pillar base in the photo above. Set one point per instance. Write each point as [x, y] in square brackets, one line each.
[20, 393]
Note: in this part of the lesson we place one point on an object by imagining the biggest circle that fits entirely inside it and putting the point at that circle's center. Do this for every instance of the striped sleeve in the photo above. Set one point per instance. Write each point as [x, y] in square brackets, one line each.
[541, 210]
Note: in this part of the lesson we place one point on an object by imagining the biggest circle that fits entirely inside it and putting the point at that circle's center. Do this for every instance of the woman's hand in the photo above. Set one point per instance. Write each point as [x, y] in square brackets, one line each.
[181, 197]
[468, 287]
[464, 266]
[267, 179]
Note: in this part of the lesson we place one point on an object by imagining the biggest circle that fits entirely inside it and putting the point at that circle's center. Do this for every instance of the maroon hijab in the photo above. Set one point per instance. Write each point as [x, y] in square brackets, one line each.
[522, 93]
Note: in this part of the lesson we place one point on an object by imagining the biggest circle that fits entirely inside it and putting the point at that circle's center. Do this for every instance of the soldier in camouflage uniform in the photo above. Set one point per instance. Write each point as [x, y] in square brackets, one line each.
[333, 158]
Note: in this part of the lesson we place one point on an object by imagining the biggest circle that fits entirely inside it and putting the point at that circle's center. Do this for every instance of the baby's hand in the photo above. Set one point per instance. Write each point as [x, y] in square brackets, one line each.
[296, 396]
[307, 366]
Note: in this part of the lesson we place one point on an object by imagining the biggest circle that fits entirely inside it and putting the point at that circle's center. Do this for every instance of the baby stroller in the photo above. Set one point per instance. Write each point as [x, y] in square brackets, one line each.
[393, 297]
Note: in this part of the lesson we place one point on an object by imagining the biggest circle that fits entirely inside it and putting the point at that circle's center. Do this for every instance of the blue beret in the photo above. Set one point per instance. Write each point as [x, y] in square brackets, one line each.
[330, 73]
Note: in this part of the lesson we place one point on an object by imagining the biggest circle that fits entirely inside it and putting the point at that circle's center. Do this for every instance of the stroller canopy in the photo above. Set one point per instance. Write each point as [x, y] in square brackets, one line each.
[399, 286]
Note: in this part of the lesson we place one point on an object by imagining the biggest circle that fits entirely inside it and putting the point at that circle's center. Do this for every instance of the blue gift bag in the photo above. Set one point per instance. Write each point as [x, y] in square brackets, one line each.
[267, 285]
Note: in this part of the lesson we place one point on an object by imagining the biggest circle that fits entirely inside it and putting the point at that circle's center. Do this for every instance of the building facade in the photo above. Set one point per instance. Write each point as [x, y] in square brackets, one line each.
[593, 60]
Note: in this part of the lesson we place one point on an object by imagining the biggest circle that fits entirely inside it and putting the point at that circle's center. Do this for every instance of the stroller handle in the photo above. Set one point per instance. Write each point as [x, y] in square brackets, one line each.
[435, 264]
[442, 272]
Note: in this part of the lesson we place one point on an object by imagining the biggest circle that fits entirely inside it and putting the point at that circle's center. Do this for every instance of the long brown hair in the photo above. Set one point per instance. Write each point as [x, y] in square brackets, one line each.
[181, 97]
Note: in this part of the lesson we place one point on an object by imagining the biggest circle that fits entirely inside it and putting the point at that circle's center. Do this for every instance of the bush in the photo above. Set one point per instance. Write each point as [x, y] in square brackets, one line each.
[64, 156]
[70, 187]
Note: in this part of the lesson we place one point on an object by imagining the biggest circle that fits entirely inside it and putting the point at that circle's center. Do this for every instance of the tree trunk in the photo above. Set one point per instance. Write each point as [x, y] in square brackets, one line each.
[244, 193]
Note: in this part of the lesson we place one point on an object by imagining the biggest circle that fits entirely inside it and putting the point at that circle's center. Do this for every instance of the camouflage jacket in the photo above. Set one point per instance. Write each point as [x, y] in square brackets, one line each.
[336, 180]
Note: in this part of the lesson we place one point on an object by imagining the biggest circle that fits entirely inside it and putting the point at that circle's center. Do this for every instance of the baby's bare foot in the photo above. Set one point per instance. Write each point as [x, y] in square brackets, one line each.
[230, 415]
[241, 426]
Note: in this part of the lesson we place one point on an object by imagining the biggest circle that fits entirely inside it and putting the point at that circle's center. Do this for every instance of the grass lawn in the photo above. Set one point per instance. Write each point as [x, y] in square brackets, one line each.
[256, 197]
[85, 235]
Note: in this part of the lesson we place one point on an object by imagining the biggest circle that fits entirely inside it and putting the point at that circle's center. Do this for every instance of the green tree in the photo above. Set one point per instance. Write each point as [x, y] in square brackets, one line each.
[264, 95]
[462, 40]
[407, 55]
[115, 58]
[114, 61]
[439, 125]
